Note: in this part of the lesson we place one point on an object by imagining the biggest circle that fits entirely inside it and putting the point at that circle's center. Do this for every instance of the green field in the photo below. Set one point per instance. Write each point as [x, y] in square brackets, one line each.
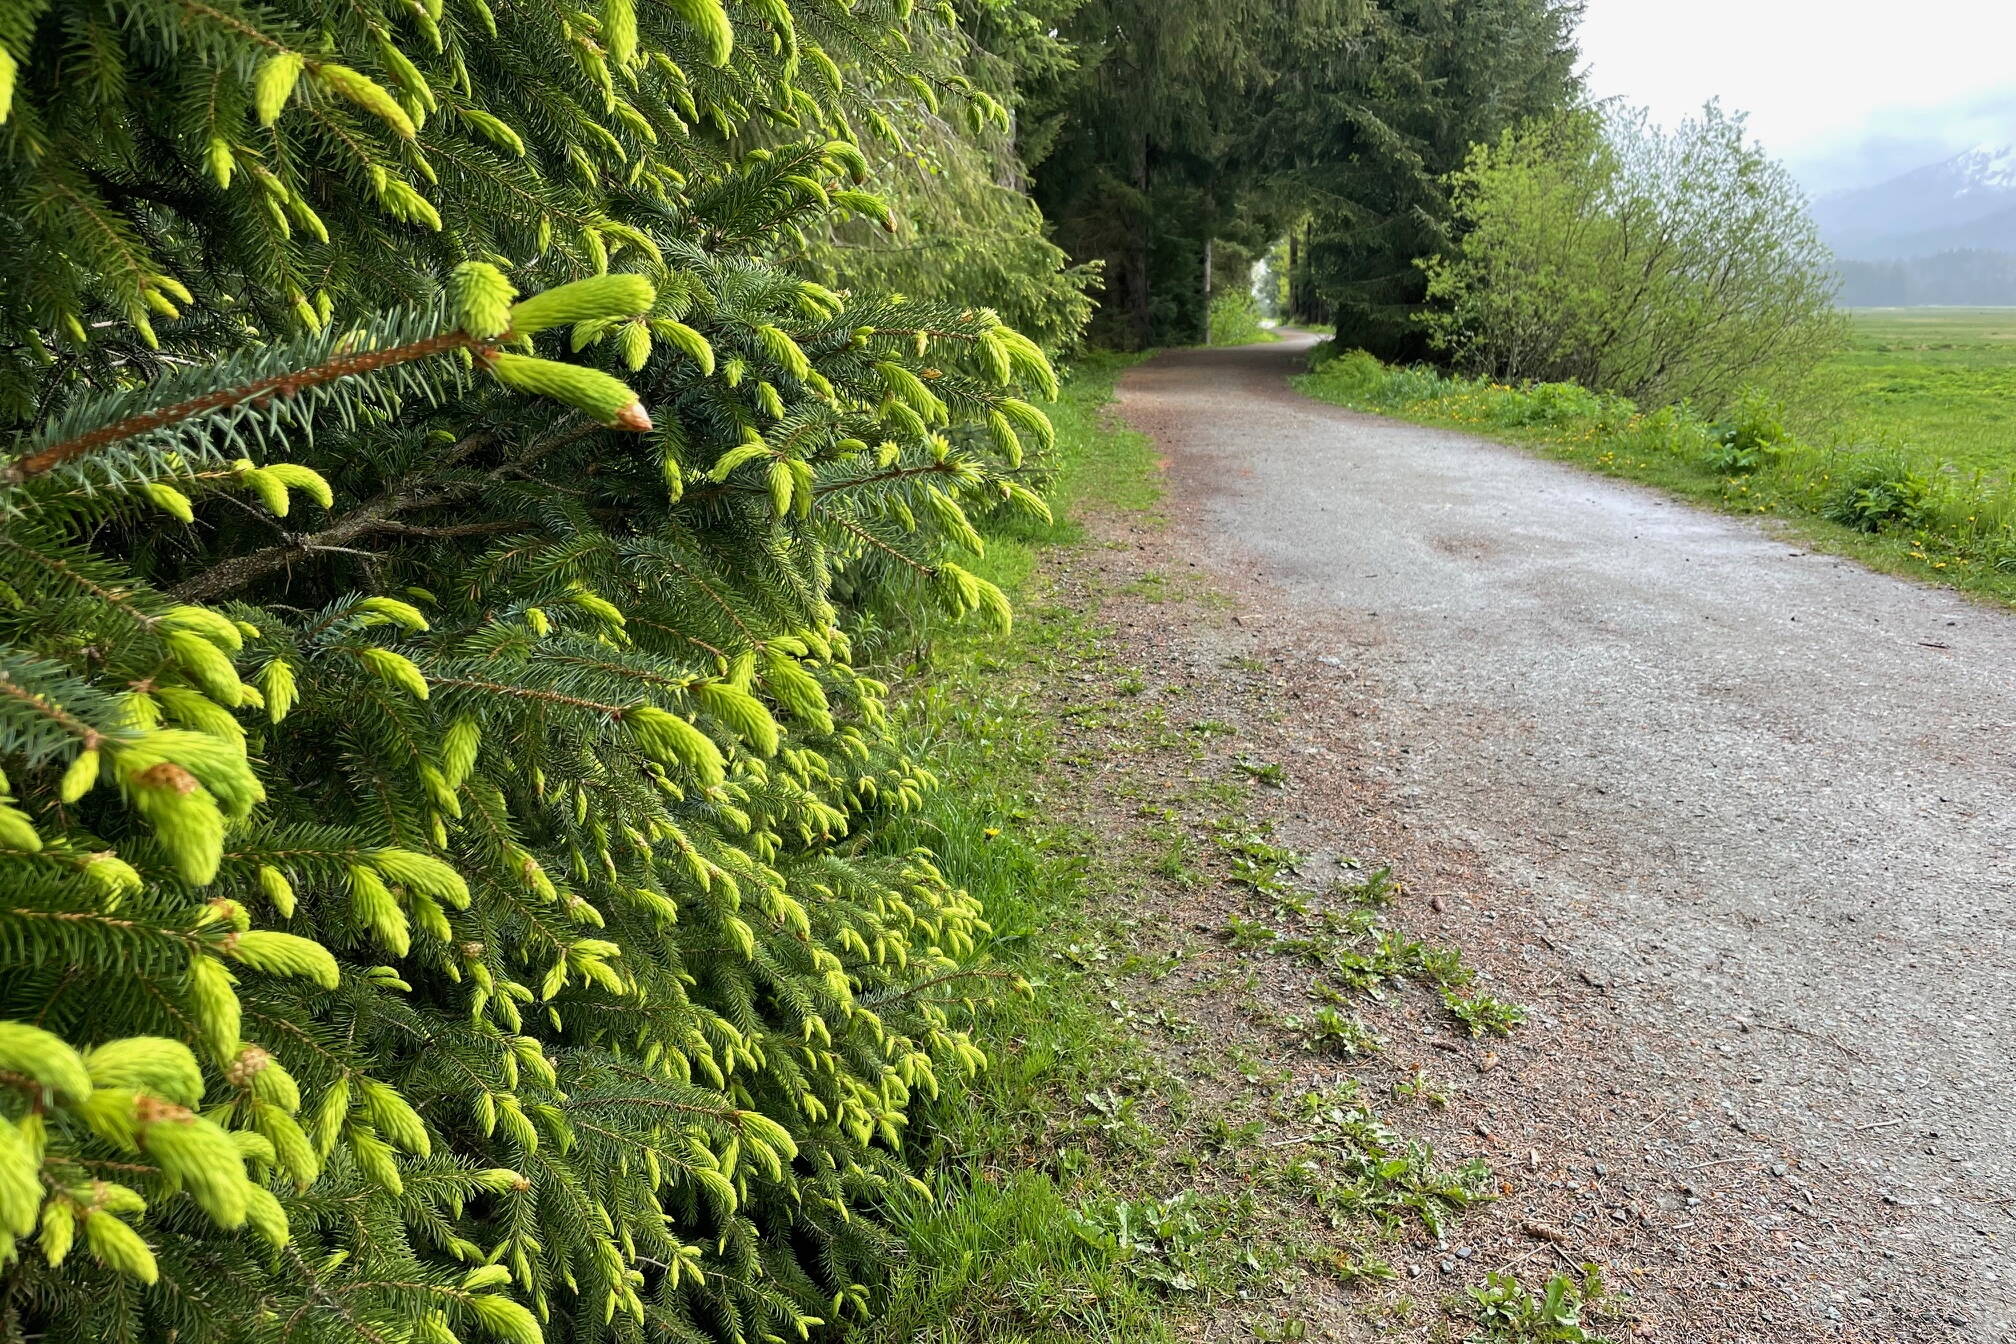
[1938, 383]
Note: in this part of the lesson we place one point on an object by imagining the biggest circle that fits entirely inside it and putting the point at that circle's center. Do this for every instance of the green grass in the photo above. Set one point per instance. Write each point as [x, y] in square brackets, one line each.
[1029, 1233]
[1901, 452]
[1074, 1190]
[1938, 382]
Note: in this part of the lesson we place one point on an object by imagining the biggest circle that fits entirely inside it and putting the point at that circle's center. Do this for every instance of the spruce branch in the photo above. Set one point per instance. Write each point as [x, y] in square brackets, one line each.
[276, 385]
[849, 525]
[417, 492]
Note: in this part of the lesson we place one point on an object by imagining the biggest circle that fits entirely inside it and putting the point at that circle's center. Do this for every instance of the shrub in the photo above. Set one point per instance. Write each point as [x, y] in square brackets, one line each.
[1235, 320]
[1879, 495]
[1549, 405]
[1350, 374]
[1414, 383]
[1662, 266]
[1752, 438]
[442, 844]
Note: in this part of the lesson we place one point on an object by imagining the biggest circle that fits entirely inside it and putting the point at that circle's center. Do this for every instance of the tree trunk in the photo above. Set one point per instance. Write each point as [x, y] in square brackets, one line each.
[1138, 255]
[1205, 321]
[1294, 313]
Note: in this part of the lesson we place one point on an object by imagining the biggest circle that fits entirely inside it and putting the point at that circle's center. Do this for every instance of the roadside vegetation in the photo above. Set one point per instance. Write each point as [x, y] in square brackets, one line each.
[1005, 1245]
[1236, 320]
[1661, 265]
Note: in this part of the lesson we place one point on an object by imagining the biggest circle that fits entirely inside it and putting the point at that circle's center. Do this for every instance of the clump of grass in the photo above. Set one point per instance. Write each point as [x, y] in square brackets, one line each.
[1880, 495]
[1360, 1171]
[1179, 1245]
[1247, 934]
[1331, 1030]
[1507, 1313]
[1270, 773]
[1752, 438]
[1257, 862]
[1484, 1015]
[1418, 1086]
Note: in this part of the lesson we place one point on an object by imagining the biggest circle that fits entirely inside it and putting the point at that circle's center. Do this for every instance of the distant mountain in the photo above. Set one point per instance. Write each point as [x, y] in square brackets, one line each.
[1966, 203]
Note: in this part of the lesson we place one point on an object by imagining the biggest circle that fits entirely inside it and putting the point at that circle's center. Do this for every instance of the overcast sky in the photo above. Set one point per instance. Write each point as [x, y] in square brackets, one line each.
[1848, 92]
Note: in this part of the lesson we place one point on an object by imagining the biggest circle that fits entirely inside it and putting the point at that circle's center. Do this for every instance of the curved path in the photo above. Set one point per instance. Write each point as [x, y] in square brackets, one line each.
[1770, 796]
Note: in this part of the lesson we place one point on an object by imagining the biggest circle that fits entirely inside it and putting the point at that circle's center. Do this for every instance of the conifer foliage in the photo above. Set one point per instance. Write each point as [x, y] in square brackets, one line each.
[439, 893]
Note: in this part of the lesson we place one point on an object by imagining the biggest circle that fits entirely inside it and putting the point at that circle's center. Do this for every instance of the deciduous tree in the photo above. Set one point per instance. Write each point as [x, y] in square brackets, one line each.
[1662, 265]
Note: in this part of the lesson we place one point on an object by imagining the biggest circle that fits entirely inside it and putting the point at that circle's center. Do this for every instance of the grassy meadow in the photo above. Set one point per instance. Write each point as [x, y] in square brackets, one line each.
[1900, 451]
[1939, 382]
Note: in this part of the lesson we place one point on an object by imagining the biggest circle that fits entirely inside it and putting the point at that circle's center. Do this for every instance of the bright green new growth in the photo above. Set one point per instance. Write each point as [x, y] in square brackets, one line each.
[445, 893]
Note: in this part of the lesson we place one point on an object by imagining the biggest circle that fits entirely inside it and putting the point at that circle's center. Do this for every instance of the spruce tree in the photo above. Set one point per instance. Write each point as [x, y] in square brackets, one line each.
[966, 229]
[1367, 121]
[439, 888]
[1134, 150]
[1332, 122]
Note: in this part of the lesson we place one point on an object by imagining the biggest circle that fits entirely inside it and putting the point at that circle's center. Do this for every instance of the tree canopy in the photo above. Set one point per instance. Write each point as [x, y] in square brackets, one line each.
[1335, 121]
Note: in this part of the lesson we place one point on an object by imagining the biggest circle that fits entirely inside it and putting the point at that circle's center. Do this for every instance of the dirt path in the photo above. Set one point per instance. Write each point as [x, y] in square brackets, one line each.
[1734, 817]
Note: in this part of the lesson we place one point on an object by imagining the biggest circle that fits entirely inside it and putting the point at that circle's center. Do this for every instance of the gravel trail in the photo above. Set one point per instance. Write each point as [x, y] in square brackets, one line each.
[1761, 799]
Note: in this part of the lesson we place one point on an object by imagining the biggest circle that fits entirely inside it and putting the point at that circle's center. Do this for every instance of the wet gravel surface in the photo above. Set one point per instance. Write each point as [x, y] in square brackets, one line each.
[1738, 813]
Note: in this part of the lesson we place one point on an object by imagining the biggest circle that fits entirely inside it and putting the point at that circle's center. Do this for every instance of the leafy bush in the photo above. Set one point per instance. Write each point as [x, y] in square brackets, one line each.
[1550, 404]
[1235, 320]
[1753, 437]
[1879, 495]
[1355, 375]
[1602, 250]
[445, 829]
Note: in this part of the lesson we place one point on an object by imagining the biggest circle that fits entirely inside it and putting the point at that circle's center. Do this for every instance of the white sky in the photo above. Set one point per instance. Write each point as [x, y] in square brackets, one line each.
[1846, 91]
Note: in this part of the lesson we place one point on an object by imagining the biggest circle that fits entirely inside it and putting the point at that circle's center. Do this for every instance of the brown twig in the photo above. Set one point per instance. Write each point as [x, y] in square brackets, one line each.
[375, 516]
[274, 385]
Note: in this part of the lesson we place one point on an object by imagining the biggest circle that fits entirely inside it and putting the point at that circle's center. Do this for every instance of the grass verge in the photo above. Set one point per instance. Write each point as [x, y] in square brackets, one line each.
[1009, 1245]
[1895, 507]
